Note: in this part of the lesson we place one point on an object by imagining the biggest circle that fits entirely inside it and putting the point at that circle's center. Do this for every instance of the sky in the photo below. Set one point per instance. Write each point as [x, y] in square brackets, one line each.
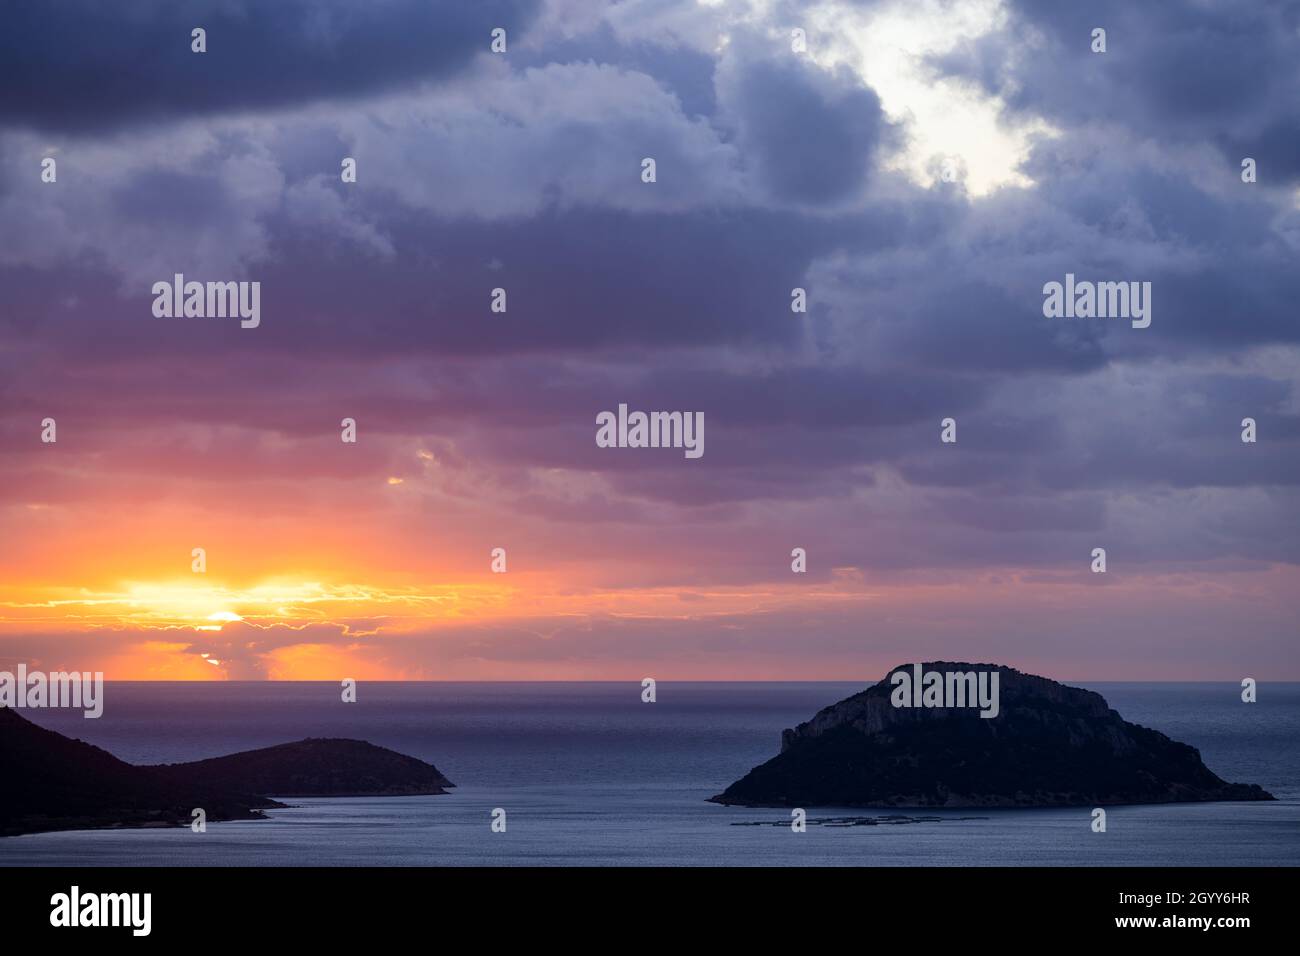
[920, 169]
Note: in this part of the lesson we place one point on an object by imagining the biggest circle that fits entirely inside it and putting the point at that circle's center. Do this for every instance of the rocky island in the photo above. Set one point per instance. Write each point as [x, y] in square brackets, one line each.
[52, 782]
[1047, 745]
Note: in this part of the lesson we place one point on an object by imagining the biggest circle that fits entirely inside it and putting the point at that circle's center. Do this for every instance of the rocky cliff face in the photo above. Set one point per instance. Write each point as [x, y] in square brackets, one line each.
[1049, 745]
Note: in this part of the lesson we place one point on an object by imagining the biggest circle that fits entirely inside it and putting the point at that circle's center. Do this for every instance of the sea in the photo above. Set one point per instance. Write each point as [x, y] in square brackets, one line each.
[588, 774]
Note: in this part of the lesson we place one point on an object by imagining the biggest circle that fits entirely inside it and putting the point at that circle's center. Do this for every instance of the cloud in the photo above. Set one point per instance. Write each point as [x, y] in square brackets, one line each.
[1178, 72]
[76, 65]
[775, 171]
[813, 134]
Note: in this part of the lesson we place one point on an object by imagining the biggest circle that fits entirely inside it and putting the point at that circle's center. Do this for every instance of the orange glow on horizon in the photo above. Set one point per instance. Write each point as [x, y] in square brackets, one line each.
[521, 626]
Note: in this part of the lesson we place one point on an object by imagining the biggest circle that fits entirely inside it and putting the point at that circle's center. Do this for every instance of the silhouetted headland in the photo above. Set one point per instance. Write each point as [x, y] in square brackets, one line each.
[52, 782]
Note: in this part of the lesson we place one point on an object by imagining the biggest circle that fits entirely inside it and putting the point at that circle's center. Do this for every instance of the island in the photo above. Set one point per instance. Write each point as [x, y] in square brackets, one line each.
[53, 782]
[1047, 745]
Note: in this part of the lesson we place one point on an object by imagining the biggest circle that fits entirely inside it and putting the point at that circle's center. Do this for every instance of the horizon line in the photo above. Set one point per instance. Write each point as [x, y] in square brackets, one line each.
[671, 680]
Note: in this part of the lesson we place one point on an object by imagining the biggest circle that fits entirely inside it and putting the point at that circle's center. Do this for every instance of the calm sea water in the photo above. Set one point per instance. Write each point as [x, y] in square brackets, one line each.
[588, 774]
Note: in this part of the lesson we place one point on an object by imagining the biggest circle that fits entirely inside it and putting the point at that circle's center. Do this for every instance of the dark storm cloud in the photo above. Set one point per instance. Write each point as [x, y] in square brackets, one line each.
[1226, 74]
[924, 303]
[576, 282]
[82, 64]
[814, 135]
[968, 296]
[688, 73]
